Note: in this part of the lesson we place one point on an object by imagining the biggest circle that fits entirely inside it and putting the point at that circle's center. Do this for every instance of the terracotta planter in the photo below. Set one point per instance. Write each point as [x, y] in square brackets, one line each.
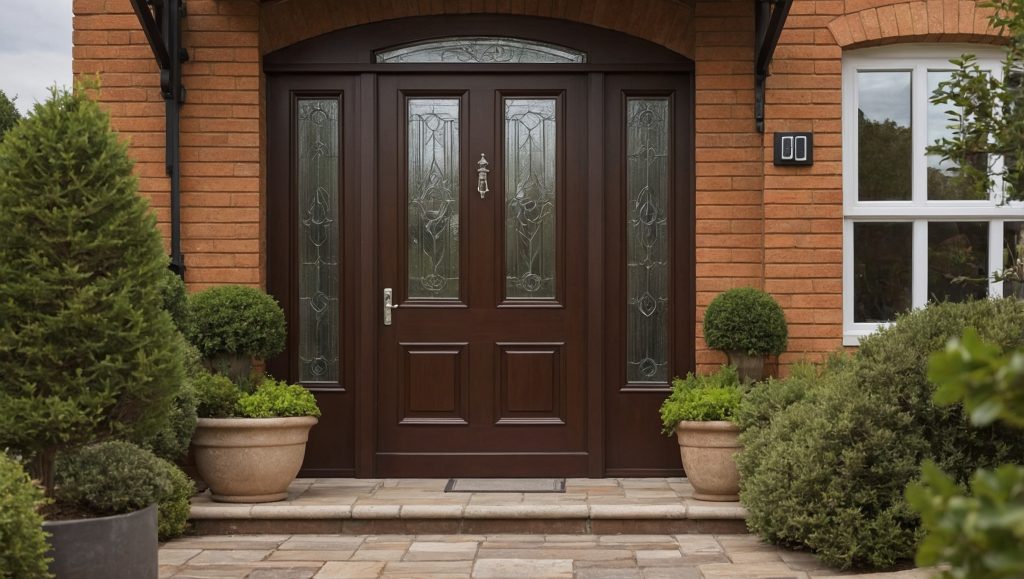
[250, 460]
[750, 368]
[115, 547]
[708, 450]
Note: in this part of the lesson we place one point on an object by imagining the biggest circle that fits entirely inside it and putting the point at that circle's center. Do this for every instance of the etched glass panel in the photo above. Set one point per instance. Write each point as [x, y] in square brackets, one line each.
[481, 50]
[317, 171]
[530, 159]
[647, 266]
[883, 136]
[433, 198]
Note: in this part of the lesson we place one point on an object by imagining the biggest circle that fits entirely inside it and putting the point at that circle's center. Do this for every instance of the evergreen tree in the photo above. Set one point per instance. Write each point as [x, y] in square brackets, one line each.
[9, 115]
[86, 350]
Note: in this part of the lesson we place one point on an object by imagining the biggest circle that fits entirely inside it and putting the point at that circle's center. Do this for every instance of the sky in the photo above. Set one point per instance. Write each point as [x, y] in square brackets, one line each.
[35, 48]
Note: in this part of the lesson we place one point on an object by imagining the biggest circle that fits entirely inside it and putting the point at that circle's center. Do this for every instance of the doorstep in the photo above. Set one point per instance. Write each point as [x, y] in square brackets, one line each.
[420, 506]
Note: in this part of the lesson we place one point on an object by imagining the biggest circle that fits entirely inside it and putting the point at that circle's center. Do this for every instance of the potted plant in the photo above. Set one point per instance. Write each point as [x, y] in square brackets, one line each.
[701, 411]
[748, 325]
[87, 352]
[231, 325]
[249, 446]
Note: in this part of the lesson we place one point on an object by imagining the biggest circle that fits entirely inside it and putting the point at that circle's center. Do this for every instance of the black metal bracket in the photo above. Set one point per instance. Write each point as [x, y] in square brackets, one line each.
[770, 17]
[161, 23]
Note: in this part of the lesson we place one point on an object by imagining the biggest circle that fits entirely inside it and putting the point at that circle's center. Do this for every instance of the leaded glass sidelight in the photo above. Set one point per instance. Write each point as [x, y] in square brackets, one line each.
[530, 207]
[481, 50]
[318, 214]
[433, 198]
[647, 290]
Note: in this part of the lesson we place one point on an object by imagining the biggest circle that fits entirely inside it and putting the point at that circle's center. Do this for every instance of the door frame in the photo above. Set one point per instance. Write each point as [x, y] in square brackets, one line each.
[342, 62]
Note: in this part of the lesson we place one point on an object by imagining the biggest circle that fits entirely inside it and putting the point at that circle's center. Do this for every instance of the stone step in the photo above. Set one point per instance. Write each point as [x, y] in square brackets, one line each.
[420, 506]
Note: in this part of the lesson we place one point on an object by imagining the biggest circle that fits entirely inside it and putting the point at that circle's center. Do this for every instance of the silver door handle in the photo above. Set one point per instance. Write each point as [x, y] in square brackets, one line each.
[481, 176]
[388, 306]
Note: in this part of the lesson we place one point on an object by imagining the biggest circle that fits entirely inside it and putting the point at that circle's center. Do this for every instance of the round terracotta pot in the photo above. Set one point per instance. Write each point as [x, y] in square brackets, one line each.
[708, 450]
[750, 368]
[250, 460]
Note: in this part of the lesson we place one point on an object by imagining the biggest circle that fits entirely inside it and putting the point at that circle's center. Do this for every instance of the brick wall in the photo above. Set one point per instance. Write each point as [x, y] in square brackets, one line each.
[772, 227]
[220, 126]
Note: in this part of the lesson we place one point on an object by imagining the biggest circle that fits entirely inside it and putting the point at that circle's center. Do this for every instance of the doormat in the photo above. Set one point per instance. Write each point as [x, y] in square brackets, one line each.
[505, 485]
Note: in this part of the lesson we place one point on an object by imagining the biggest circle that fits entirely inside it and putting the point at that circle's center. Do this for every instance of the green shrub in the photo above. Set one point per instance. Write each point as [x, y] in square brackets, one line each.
[827, 454]
[702, 397]
[110, 478]
[216, 396]
[171, 442]
[23, 544]
[172, 517]
[747, 320]
[9, 115]
[175, 299]
[236, 320]
[273, 398]
[86, 350]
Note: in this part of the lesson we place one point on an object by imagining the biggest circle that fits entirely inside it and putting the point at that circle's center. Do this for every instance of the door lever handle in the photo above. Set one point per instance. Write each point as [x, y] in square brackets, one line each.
[388, 305]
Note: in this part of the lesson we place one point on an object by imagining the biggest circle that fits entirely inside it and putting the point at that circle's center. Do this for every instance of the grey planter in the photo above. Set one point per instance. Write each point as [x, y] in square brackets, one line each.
[115, 547]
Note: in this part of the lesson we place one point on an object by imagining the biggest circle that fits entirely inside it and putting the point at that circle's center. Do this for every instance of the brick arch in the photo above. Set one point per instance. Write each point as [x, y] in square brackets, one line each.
[914, 21]
[665, 22]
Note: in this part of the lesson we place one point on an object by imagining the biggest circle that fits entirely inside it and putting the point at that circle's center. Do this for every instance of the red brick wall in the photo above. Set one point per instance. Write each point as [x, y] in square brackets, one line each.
[220, 127]
[757, 224]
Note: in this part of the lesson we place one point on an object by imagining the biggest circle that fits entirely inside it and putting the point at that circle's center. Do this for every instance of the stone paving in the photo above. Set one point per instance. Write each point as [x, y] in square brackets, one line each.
[491, 557]
[418, 506]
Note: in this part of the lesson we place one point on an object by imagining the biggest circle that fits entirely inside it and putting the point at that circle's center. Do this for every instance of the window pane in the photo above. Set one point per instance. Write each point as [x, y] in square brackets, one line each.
[530, 159]
[317, 181]
[1013, 259]
[482, 50]
[883, 136]
[433, 198]
[882, 256]
[647, 146]
[957, 260]
[942, 175]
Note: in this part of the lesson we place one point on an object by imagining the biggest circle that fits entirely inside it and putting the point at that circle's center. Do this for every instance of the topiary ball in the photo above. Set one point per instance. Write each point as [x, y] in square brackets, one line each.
[745, 320]
[236, 320]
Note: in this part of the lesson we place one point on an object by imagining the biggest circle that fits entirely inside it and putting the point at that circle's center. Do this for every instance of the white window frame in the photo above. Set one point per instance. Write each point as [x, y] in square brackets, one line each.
[919, 59]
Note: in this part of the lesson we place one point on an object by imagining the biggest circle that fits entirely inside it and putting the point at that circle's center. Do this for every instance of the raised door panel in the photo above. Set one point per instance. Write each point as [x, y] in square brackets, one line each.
[433, 384]
[531, 383]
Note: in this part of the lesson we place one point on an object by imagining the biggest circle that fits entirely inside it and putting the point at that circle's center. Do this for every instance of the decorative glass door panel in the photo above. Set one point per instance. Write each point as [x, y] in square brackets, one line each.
[479, 199]
[531, 179]
[647, 288]
[433, 197]
[319, 234]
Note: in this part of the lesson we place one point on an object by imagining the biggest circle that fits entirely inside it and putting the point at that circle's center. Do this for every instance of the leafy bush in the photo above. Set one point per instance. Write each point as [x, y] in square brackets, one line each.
[173, 509]
[236, 320]
[712, 397]
[174, 297]
[171, 442]
[9, 115]
[110, 478]
[273, 398]
[980, 535]
[86, 350]
[217, 396]
[116, 477]
[747, 320]
[828, 454]
[21, 527]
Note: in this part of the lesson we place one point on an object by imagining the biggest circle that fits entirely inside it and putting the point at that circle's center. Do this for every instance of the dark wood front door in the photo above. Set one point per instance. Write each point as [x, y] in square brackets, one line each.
[483, 259]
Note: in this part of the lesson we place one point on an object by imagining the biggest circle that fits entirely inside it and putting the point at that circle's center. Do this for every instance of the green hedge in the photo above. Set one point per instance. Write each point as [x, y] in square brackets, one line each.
[746, 320]
[23, 544]
[828, 452]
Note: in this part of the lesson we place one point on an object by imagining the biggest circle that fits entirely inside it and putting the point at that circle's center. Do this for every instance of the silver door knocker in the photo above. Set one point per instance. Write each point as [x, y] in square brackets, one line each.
[481, 176]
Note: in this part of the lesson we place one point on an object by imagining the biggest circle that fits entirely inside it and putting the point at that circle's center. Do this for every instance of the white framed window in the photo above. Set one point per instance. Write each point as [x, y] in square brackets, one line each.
[910, 234]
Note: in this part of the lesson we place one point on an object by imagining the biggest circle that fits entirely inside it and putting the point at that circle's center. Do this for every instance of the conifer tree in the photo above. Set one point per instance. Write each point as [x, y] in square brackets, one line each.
[86, 350]
[9, 115]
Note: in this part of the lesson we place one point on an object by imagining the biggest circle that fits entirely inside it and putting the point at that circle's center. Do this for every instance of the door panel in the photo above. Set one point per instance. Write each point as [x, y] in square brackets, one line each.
[484, 355]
